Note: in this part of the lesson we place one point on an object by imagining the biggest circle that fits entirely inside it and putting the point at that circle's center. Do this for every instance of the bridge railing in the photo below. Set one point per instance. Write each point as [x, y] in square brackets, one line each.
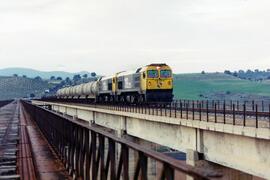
[242, 113]
[202, 111]
[92, 153]
[246, 113]
[251, 105]
[5, 102]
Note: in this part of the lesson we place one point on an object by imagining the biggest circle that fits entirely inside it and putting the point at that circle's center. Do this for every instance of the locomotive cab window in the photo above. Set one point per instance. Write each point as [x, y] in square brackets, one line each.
[152, 74]
[165, 73]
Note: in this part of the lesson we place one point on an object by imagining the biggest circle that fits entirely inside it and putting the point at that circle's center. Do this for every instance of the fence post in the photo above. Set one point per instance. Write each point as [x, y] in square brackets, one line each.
[207, 109]
[256, 116]
[224, 113]
[145, 107]
[193, 114]
[171, 110]
[233, 114]
[186, 111]
[215, 113]
[175, 111]
[244, 110]
[200, 112]
[269, 114]
[181, 110]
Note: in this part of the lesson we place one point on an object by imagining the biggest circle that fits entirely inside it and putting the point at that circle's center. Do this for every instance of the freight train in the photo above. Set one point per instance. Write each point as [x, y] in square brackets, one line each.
[149, 84]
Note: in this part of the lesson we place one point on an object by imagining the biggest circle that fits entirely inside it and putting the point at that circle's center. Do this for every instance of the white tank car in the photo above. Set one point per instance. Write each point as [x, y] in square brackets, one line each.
[73, 91]
[69, 92]
[59, 93]
[90, 89]
[87, 90]
[77, 91]
[66, 91]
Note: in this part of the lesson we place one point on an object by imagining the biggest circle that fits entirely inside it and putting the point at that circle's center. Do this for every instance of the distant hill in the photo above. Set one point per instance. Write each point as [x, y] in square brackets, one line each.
[186, 86]
[219, 86]
[33, 73]
[18, 87]
[256, 75]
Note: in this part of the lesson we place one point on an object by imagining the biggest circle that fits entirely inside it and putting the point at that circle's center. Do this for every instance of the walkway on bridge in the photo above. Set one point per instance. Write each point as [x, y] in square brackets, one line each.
[24, 152]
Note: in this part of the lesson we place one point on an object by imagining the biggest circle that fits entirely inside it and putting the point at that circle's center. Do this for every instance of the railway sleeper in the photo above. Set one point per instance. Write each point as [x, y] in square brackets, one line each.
[10, 177]
[7, 163]
[8, 171]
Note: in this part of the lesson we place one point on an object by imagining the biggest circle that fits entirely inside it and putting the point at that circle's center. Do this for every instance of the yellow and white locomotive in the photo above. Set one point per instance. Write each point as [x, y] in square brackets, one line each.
[149, 84]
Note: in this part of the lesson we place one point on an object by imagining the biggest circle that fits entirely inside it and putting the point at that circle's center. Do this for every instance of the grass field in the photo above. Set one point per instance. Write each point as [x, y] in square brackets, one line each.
[191, 86]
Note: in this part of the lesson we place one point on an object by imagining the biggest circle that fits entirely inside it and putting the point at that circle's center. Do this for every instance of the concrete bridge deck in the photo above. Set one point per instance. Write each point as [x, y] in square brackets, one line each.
[242, 148]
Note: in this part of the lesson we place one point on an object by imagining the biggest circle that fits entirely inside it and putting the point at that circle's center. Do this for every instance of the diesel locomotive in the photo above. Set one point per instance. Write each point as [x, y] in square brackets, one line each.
[149, 84]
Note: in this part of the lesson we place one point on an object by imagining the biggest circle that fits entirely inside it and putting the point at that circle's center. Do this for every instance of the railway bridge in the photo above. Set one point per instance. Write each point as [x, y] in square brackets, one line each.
[65, 140]
[231, 140]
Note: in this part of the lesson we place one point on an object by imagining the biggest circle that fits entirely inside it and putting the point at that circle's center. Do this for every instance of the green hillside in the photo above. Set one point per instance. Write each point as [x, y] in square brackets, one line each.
[216, 85]
[18, 87]
[43, 74]
[186, 86]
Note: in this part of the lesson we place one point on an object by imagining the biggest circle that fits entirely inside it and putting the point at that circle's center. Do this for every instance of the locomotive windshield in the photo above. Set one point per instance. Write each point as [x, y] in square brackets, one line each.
[165, 73]
[152, 74]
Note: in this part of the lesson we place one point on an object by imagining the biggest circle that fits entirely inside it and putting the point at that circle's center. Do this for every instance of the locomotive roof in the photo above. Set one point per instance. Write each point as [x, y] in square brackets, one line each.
[125, 73]
[158, 64]
[106, 77]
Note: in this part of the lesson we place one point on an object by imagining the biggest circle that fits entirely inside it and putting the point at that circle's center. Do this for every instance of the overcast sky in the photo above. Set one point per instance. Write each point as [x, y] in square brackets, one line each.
[107, 36]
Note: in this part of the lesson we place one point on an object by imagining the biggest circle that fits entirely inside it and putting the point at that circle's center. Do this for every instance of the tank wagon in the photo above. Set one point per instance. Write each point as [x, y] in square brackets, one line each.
[149, 84]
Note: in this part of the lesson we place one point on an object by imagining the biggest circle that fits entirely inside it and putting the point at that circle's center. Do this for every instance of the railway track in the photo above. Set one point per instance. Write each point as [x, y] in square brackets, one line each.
[24, 152]
[192, 111]
[9, 137]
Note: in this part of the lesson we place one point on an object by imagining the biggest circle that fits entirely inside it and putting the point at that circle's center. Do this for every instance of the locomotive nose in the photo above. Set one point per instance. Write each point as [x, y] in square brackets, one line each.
[159, 83]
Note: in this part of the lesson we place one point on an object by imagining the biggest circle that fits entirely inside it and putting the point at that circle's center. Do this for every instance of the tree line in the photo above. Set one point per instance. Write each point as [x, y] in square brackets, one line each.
[256, 75]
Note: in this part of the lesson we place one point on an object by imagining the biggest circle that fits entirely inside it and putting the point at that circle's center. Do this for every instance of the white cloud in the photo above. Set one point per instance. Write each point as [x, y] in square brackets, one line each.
[112, 35]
